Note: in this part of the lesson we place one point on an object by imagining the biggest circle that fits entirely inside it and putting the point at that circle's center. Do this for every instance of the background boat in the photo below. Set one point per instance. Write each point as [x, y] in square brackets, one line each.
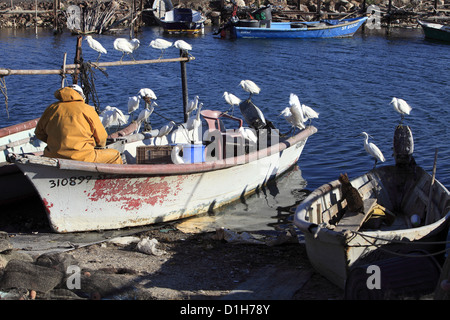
[178, 20]
[297, 30]
[435, 31]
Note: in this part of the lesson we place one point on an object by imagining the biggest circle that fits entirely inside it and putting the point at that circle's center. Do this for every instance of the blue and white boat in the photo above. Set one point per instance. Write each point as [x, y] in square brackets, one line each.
[297, 30]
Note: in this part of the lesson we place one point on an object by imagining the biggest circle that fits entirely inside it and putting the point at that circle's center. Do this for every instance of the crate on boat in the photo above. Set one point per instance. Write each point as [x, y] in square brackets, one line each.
[153, 154]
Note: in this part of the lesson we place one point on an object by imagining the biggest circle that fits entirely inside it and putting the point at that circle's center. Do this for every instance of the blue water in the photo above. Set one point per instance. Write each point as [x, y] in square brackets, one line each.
[349, 81]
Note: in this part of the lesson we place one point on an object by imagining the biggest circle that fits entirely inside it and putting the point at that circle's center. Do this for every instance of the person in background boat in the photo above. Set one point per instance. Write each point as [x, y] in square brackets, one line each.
[72, 129]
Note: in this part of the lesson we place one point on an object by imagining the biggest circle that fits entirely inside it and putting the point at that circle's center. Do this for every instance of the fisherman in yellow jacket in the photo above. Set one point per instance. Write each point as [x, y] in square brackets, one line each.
[72, 129]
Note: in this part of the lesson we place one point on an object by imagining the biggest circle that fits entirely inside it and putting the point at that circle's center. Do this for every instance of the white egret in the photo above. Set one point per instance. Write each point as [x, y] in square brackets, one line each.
[372, 149]
[165, 130]
[145, 114]
[287, 114]
[126, 46]
[175, 155]
[133, 104]
[297, 111]
[309, 113]
[232, 100]
[248, 134]
[95, 45]
[111, 115]
[160, 44]
[194, 123]
[183, 46]
[401, 106]
[147, 93]
[192, 106]
[250, 87]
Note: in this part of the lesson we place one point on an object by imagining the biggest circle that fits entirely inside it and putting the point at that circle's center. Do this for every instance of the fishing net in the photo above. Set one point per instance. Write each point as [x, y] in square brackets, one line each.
[86, 80]
[5, 93]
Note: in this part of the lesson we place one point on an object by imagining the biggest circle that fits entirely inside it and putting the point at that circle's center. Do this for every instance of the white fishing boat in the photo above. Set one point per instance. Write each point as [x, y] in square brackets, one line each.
[82, 196]
[405, 210]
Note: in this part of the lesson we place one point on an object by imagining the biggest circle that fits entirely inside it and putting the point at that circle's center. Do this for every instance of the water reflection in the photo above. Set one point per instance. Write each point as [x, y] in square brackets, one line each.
[270, 209]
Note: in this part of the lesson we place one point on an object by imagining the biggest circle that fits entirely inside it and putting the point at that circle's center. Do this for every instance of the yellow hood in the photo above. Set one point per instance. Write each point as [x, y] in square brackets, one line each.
[67, 95]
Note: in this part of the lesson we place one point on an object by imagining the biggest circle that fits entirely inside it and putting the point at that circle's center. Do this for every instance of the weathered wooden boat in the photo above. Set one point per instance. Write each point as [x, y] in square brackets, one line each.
[435, 31]
[16, 139]
[405, 210]
[250, 29]
[82, 196]
[178, 20]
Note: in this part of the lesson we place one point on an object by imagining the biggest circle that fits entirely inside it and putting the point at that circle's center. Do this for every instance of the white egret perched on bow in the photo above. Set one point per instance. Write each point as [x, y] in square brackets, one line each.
[133, 104]
[126, 46]
[287, 114]
[250, 87]
[95, 45]
[183, 46]
[298, 117]
[160, 44]
[232, 100]
[372, 149]
[309, 113]
[401, 106]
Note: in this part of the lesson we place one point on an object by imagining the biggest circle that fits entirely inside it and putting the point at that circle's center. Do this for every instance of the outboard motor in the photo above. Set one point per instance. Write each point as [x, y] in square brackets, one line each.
[254, 116]
[403, 145]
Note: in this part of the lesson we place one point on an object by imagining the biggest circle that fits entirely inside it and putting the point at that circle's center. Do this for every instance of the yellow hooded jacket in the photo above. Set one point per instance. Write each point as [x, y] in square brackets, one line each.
[72, 129]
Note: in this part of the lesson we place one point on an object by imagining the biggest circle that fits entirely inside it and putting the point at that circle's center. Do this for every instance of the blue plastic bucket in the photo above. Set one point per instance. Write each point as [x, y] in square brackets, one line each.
[193, 153]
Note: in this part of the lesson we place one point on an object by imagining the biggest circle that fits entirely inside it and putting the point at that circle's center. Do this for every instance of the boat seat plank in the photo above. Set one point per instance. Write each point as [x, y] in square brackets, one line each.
[353, 220]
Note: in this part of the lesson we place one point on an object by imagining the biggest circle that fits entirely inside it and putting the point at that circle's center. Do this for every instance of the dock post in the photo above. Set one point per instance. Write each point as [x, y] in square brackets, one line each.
[77, 59]
[184, 85]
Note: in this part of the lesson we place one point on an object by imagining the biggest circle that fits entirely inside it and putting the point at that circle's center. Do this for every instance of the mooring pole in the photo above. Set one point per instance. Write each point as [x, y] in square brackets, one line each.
[77, 58]
[184, 85]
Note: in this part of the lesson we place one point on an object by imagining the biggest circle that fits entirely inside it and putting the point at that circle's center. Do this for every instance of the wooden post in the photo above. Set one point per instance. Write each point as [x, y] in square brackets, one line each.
[63, 70]
[184, 86]
[55, 20]
[77, 59]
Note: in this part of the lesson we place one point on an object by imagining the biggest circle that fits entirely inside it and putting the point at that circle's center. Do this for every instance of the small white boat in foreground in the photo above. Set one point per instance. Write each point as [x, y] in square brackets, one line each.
[406, 210]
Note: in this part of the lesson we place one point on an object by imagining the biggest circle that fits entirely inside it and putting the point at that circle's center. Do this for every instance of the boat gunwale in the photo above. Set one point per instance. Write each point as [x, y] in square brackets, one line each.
[170, 168]
[314, 229]
[16, 128]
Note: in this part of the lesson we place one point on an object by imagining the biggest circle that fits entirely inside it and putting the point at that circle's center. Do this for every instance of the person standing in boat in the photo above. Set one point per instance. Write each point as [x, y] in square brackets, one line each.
[72, 129]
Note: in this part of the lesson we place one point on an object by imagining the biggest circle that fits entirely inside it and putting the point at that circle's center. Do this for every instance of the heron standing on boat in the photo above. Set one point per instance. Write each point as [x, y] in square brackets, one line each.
[232, 100]
[372, 149]
[250, 87]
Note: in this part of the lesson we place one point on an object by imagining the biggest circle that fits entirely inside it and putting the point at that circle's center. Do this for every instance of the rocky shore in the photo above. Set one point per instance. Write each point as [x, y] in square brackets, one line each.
[24, 14]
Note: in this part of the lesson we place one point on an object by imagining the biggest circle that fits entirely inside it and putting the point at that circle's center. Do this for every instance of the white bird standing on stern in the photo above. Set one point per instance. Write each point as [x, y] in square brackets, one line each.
[372, 149]
[401, 106]
[250, 87]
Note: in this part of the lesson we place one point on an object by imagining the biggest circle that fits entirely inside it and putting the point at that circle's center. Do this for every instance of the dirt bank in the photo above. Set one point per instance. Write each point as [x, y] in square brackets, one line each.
[185, 265]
